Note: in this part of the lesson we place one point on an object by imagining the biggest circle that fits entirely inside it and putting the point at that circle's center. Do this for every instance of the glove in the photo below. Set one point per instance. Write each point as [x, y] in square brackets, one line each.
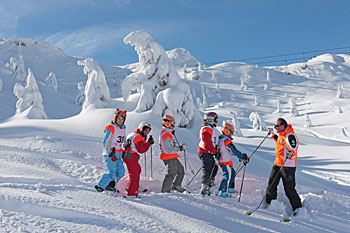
[245, 158]
[126, 146]
[270, 131]
[217, 155]
[183, 147]
[151, 140]
[289, 154]
[112, 155]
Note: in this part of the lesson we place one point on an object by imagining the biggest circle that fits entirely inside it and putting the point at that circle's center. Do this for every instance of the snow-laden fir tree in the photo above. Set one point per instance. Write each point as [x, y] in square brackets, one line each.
[279, 108]
[293, 107]
[199, 104]
[160, 86]
[338, 109]
[204, 97]
[96, 89]
[1, 84]
[268, 79]
[243, 87]
[30, 102]
[235, 123]
[307, 121]
[256, 103]
[18, 68]
[340, 93]
[51, 81]
[266, 87]
[258, 122]
[80, 95]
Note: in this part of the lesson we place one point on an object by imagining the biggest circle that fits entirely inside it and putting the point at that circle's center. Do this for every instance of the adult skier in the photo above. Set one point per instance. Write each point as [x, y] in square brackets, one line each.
[226, 149]
[168, 148]
[135, 145]
[114, 136]
[207, 151]
[284, 166]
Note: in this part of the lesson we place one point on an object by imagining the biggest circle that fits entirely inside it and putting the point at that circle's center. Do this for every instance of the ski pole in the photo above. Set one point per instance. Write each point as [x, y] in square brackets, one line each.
[239, 165]
[151, 165]
[254, 151]
[184, 156]
[145, 166]
[193, 177]
[240, 191]
[268, 188]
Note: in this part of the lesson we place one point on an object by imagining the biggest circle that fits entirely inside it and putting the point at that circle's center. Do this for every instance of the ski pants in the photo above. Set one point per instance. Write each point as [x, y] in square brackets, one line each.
[174, 174]
[288, 178]
[115, 170]
[209, 168]
[134, 169]
[228, 176]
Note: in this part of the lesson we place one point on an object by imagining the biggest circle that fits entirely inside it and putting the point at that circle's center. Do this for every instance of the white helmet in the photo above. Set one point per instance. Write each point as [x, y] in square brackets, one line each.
[144, 124]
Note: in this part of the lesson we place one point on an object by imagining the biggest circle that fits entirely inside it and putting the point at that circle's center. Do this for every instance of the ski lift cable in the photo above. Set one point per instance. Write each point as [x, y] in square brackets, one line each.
[284, 55]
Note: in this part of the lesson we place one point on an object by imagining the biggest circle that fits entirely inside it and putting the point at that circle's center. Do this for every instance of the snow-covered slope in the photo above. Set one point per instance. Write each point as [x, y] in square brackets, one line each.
[48, 168]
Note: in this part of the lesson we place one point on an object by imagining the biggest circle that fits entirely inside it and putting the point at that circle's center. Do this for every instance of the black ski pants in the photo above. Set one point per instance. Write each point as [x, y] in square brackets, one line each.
[288, 178]
[209, 168]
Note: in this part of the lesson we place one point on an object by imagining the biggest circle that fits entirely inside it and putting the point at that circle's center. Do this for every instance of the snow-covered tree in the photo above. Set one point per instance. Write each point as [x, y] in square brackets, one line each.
[51, 81]
[160, 86]
[204, 96]
[279, 108]
[338, 109]
[307, 121]
[30, 102]
[340, 94]
[80, 95]
[0, 84]
[258, 122]
[235, 123]
[293, 107]
[268, 79]
[18, 68]
[96, 89]
[256, 103]
[266, 87]
[243, 86]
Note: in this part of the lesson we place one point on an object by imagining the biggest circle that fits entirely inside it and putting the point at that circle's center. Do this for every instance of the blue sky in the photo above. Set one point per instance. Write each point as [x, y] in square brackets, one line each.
[213, 31]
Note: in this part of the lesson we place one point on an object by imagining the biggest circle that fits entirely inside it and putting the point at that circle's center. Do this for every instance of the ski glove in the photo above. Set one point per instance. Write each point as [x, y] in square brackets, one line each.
[245, 158]
[151, 140]
[112, 155]
[217, 155]
[289, 154]
[183, 147]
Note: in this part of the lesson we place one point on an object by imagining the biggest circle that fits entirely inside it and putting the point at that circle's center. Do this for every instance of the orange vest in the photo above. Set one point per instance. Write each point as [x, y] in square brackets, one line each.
[283, 147]
[163, 155]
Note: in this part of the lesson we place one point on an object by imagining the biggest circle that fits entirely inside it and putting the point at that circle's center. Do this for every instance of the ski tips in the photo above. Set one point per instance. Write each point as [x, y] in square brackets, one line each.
[249, 213]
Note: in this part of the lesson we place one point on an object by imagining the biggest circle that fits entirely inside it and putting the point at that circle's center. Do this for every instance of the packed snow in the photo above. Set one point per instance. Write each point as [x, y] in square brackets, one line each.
[49, 167]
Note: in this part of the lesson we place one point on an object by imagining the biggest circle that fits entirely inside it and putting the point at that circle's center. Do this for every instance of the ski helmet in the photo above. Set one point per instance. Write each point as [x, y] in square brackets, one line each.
[228, 129]
[117, 113]
[143, 125]
[211, 118]
[168, 122]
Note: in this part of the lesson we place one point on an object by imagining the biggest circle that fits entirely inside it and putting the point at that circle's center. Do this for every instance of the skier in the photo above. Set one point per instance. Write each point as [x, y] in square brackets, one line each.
[284, 166]
[207, 151]
[226, 149]
[135, 145]
[114, 136]
[174, 169]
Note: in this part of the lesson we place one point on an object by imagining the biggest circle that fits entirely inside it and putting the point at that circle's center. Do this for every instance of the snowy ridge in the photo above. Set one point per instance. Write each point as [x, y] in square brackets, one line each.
[48, 168]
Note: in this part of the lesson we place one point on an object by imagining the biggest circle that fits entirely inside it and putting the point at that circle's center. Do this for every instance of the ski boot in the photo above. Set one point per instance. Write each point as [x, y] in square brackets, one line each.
[99, 189]
[111, 187]
[231, 190]
[205, 190]
[224, 194]
[179, 189]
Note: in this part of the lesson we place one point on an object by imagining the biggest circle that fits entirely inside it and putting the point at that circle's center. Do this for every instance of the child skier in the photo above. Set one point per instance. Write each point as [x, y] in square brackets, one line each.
[226, 150]
[207, 151]
[114, 136]
[174, 169]
[135, 145]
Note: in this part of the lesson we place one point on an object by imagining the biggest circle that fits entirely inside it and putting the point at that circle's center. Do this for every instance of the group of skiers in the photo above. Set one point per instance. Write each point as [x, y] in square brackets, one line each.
[119, 149]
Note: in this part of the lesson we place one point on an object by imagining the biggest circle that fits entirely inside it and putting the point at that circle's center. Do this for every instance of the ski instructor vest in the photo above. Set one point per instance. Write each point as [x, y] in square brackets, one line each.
[116, 138]
[207, 138]
[163, 154]
[286, 143]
